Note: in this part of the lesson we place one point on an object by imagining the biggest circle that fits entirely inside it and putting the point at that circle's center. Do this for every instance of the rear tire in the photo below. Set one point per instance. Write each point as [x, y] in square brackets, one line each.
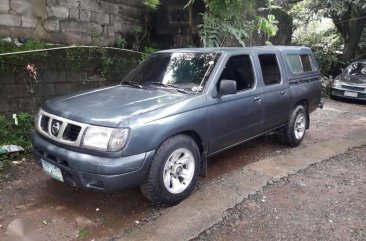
[173, 171]
[293, 132]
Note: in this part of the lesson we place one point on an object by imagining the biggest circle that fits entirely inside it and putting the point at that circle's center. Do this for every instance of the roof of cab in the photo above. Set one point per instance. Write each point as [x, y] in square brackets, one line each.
[234, 49]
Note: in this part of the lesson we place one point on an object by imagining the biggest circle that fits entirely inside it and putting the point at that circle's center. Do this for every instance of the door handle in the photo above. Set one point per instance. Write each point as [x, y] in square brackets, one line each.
[283, 92]
[257, 99]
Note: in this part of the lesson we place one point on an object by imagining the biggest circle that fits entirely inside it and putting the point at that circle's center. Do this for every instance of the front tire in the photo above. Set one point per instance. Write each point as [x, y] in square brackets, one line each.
[173, 172]
[293, 132]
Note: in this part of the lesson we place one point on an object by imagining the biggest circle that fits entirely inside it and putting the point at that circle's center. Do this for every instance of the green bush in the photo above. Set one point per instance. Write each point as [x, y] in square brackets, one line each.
[147, 52]
[11, 134]
[7, 47]
[326, 82]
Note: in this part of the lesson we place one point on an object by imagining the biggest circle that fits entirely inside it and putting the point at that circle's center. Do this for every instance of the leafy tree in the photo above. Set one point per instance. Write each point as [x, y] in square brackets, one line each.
[320, 34]
[349, 17]
[236, 18]
[362, 44]
[152, 4]
[241, 19]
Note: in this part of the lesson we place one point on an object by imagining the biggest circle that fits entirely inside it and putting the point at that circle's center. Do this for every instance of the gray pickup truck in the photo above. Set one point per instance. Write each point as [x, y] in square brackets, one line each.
[158, 127]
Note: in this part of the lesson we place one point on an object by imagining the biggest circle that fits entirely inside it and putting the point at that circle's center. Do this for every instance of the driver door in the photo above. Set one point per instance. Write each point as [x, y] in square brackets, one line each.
[237, 117]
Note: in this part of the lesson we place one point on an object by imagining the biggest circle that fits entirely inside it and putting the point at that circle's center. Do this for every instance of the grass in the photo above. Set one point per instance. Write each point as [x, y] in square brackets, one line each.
[15, 134]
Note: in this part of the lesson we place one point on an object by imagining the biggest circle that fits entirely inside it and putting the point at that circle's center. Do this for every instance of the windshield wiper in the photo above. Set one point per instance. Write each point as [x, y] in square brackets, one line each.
[169, 86]
[132, 83]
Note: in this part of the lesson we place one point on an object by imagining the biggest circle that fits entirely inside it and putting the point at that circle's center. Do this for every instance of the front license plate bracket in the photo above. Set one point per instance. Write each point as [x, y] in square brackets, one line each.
[52, 170]
[350, 94]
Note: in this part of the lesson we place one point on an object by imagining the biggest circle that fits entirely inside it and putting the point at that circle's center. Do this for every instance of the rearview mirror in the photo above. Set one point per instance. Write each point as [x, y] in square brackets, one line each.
[227, 87]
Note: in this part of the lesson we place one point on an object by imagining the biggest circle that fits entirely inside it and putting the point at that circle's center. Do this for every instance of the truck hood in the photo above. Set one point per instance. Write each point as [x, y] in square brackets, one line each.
[110, 106]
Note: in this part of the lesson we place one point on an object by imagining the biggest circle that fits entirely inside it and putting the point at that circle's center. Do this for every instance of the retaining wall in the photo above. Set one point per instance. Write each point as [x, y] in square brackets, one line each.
[70, 21]
[59, 72]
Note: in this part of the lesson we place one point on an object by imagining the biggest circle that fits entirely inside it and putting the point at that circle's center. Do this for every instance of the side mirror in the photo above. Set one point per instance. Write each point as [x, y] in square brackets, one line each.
[227, 87]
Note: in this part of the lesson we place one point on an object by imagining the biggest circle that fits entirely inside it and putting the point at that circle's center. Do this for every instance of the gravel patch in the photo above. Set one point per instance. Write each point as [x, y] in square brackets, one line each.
[326, 201]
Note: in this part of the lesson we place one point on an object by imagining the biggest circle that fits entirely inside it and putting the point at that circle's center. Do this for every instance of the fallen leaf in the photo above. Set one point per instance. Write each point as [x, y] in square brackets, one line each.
[83, 233]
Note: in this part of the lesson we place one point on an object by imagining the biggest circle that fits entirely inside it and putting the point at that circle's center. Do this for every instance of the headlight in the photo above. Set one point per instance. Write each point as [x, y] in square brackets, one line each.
[336, 84]
[105, 139]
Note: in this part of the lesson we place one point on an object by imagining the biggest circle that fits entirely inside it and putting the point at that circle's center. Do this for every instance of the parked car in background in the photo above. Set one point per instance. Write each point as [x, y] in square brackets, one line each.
[351, 83]
[179, 107]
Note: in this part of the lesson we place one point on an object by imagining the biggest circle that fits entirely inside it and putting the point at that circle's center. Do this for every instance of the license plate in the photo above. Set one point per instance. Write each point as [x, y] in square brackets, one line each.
[350, 94]
[52, 170]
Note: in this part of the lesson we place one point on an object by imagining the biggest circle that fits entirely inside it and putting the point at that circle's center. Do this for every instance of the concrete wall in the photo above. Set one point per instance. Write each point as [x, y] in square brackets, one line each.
[70, 21]
[59, 72]
[20, 94]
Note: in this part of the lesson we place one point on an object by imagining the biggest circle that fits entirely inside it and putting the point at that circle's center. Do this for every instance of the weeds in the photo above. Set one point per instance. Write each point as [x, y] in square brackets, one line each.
[326, 82]
[12, 134]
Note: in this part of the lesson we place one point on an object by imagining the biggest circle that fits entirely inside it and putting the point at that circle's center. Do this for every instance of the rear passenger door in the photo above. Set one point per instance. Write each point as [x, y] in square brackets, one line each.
[275, 90]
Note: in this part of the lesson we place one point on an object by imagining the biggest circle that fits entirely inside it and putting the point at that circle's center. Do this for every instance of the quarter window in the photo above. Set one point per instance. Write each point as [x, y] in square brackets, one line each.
[240, 69]
[294, 63]
[270, 69]
[306, 63]
[299, 63]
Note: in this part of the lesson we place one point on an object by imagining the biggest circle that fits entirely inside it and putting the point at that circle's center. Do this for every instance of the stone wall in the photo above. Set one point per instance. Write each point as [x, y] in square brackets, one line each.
[18, 94]
[70, 21]
[59, 72]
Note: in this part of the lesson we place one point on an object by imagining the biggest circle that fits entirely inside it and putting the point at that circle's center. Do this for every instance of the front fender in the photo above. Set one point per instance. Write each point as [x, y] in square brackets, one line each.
[150, 135]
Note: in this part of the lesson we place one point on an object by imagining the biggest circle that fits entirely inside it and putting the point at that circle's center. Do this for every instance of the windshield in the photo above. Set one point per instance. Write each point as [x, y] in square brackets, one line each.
[186, 71]
[358, 69]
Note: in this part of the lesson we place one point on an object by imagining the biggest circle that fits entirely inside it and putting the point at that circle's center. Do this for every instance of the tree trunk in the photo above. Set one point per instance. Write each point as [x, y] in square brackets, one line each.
[350, 25]
[285, 28]
[351, 39]
[349, 50]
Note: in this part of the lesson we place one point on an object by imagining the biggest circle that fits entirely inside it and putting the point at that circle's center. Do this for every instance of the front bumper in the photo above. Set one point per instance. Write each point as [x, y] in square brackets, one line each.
[90, 171]
[338, 92]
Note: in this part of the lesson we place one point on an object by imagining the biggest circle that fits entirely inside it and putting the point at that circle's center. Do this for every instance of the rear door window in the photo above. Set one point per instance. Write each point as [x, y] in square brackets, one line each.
[270, 69]
[299, 63]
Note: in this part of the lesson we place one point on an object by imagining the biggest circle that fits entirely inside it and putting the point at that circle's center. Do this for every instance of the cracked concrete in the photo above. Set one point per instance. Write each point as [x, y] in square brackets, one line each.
[206, 206]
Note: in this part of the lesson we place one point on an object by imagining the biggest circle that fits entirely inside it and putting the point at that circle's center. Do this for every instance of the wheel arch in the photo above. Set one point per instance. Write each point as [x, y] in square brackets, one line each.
[305, 103]
[196, 137]
[202, 147]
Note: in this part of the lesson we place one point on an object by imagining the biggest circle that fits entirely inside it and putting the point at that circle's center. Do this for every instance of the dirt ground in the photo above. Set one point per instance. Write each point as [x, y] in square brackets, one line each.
[323, 202]
[60, 212]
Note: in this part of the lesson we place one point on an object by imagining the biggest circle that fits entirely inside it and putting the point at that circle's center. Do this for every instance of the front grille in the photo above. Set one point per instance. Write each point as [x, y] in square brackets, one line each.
[61, 129]
[55, 127]
[354, 88]
[44, 123]
[71, 132]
